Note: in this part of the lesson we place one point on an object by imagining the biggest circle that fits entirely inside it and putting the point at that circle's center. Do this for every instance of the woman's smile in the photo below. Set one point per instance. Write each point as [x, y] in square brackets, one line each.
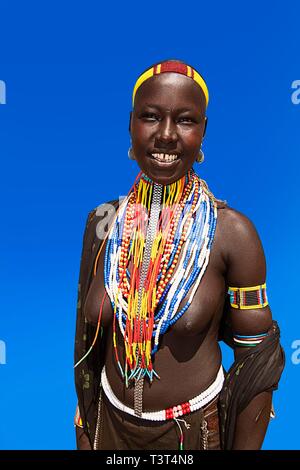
[167, 122]
[164, 160]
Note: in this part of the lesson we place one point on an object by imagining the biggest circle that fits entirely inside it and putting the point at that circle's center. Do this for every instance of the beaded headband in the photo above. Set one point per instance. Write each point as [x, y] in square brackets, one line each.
[171, 66]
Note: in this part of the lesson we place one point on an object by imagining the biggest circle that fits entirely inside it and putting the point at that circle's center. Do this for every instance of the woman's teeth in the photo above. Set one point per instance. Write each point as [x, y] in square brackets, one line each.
[164, 157]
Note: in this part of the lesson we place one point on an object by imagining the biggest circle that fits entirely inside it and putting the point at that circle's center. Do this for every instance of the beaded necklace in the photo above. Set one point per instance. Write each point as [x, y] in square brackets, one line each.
[146, 304]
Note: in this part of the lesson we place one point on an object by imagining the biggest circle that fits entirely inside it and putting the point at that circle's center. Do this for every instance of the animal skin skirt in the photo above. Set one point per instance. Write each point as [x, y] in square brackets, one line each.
[117, 430]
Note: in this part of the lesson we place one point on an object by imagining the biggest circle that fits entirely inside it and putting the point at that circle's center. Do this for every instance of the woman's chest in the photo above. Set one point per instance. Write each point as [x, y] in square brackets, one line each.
[206, 303]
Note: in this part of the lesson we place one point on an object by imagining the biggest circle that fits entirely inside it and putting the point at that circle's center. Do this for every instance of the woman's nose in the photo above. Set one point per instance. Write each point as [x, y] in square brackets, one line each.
[167, 131]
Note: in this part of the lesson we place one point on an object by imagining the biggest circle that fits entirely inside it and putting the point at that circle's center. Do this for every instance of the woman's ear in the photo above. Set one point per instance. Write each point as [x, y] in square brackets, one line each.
[205, 125]
[129, 128]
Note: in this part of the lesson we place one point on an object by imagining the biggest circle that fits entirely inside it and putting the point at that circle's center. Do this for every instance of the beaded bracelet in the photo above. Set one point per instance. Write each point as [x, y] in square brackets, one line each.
[77, 418]
[249, 341]
[248, 297]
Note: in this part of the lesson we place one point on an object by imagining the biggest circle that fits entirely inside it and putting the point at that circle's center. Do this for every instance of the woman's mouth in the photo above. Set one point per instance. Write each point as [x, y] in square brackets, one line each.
[164, 159]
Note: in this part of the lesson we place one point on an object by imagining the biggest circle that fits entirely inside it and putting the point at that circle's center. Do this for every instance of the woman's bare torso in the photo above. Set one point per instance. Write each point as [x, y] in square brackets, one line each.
[189, 356]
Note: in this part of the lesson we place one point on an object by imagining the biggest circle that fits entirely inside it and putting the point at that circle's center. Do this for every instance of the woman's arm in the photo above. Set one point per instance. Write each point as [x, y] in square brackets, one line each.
[87, 371]
[246, 267]
[82, 440]
[252, 423]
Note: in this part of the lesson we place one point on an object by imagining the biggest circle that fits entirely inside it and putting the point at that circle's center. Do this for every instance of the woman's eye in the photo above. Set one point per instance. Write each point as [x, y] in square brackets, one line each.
[150, 117]
[185, 119]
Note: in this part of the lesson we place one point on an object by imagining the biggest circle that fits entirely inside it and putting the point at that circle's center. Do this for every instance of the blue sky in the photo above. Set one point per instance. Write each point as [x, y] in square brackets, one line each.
[69, 69]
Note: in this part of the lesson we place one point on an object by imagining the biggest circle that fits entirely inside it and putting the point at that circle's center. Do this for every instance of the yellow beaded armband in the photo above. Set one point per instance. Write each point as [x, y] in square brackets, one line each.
[248, 297]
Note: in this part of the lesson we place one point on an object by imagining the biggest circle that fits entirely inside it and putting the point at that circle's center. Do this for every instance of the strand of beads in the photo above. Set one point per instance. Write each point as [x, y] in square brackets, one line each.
[192, 266]
[186, 229]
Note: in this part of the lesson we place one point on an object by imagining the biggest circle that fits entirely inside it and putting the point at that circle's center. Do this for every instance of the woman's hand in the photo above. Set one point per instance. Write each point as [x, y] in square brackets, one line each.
[252, 423]
[82, 440]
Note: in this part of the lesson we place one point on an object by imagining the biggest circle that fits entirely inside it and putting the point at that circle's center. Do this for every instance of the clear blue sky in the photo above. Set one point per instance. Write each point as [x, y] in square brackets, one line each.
[69, 69]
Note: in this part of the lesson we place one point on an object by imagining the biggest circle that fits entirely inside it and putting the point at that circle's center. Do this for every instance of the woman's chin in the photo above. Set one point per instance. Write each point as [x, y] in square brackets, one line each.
[157, 177]
[162, 174]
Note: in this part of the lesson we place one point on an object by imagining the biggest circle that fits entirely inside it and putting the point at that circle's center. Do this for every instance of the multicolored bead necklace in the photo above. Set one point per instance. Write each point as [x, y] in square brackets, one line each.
[146, 304]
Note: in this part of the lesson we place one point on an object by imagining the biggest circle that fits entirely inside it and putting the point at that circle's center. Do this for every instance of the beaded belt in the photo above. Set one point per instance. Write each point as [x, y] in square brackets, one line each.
[170, 413]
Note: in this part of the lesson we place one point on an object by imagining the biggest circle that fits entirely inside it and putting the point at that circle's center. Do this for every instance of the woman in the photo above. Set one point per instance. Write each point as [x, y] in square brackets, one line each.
[177, 271]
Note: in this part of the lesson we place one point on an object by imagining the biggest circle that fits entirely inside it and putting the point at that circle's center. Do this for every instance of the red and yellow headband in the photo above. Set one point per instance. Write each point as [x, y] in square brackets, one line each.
[171, 66]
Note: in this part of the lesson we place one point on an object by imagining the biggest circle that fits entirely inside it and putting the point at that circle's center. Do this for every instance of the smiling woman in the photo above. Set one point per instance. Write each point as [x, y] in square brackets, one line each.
[167, 125]
[177, 271]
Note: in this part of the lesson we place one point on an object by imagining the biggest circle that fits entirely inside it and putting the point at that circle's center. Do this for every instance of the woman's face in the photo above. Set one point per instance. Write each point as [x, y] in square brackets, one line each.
[168, 119]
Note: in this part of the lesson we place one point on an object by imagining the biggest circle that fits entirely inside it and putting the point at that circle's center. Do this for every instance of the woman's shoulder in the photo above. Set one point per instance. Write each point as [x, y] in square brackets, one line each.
[229, 219]
[97, 221]
[238, 235]
[234, 221]
[101, 211]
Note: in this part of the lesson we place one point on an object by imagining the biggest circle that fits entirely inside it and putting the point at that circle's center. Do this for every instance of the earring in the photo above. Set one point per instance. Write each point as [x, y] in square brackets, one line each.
[131, 154]
[200, 156]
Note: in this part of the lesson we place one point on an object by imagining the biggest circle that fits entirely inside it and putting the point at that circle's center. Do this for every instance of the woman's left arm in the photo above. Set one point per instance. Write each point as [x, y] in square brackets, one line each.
[246, 267]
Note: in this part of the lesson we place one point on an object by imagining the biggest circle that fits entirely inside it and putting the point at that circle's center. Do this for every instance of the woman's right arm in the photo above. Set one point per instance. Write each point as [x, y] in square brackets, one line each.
[82, 440]
[86, 377]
